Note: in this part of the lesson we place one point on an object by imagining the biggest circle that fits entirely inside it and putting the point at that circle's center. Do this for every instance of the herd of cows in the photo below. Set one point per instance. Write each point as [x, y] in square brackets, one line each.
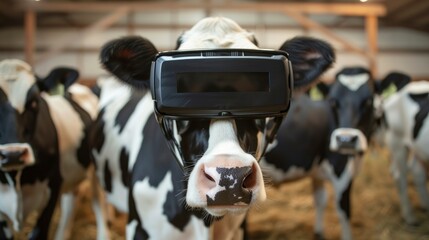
[50, 143]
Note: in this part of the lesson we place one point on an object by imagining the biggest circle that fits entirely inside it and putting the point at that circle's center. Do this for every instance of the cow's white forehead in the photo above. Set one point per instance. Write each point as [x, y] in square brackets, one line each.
[216, 32]
[16, 79]
[353, 82]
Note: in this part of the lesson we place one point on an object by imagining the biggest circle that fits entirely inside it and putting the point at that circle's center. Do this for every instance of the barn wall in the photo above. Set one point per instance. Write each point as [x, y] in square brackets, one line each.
[392, 41]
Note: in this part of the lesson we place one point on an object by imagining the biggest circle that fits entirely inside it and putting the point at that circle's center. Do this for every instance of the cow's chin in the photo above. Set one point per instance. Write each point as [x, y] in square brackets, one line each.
[220, 211]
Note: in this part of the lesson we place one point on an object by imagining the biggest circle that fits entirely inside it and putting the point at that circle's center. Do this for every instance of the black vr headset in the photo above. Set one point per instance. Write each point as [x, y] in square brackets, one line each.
[220, 83]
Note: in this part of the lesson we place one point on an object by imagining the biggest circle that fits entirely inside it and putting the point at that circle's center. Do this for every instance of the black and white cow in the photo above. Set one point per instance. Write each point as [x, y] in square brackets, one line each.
[324, 140]
[43, 147]
[140, 173]
[406, 131]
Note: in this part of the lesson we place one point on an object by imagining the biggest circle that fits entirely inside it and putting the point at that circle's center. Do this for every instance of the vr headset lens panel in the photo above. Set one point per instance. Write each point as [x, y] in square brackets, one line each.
[217, 83]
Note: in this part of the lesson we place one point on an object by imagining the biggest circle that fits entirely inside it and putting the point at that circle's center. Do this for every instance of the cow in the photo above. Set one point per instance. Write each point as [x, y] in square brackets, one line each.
[140, 173]
[44, 153]
[325, 140]
[405, 126]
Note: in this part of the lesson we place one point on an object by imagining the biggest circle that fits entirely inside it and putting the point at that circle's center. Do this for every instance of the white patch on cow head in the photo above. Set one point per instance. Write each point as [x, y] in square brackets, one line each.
[216, 32]
[224, 153]
[353, 82]
[16, 79]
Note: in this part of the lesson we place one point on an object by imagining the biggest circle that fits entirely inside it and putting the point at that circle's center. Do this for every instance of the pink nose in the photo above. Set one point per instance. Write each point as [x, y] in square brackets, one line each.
[232, 185]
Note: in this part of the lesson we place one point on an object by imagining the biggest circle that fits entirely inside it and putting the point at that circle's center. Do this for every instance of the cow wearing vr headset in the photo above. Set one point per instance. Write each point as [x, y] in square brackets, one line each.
[189, 160]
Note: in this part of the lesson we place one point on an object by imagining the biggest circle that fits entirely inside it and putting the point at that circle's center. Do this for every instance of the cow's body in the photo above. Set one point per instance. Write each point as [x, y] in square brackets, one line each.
[407, 137]
[221, 177]
[51, 133]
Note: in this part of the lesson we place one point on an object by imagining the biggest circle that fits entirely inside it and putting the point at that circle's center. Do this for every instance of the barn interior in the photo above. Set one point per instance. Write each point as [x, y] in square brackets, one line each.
[381, 35]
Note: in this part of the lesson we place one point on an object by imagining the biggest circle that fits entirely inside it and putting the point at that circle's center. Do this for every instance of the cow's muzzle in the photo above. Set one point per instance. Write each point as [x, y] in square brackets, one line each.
[348, 141]
[236, 186]
[225, 184]
[15, 156]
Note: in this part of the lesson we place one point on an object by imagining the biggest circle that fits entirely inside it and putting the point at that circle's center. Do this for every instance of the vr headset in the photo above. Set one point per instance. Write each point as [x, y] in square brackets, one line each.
[218, 83]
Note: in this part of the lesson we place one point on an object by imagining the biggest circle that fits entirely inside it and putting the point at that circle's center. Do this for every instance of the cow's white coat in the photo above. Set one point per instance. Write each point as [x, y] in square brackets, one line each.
[407, 154]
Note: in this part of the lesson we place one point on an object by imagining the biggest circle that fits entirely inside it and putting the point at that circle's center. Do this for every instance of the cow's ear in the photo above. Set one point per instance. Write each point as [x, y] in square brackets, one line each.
[58, 80]
[61, 75]
[397, 80]
[129, 59]
[310, 57]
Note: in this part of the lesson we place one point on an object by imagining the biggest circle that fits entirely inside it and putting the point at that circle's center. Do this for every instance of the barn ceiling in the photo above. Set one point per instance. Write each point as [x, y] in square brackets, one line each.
[410, 14]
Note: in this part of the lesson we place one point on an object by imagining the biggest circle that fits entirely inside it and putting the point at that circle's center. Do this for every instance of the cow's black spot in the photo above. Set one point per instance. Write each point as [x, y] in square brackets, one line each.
[125, 113]
[339, 162]
[123, 162]
[3, 229]
[423, 101]
[231, 179]
[97, 133]
[345, 201]
[174, 212]
[3, 179]
[107, 177]
[83, 152]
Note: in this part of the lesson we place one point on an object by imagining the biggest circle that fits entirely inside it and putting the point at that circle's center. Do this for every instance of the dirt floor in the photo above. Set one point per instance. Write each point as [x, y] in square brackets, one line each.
[289, 212]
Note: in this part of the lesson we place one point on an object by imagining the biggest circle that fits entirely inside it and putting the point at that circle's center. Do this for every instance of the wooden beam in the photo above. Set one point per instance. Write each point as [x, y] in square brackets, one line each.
[371, 26]
[308, 23]
[30, 29]
[175, 25]
[95, 50]
[103, 23]
[350, 9]
[406, 13]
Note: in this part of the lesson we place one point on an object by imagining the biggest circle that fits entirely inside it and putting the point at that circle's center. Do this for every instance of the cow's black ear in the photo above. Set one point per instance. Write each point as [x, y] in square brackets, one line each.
[58, 80]
[129, 59]
[398, 79]
[310, 57]
[61, 75]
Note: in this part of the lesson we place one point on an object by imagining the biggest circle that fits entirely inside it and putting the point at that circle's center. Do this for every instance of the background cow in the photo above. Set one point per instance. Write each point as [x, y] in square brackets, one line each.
[43, 146]
[406, 130]
[164, 200]
[325, 140]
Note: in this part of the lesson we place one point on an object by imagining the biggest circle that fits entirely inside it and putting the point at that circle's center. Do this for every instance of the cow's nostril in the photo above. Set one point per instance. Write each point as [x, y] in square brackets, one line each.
[208, 177]
[250, 178]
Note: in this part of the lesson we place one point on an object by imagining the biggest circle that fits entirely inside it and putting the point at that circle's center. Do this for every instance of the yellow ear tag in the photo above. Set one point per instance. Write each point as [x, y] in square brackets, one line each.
[389, 91]
[57, 90]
